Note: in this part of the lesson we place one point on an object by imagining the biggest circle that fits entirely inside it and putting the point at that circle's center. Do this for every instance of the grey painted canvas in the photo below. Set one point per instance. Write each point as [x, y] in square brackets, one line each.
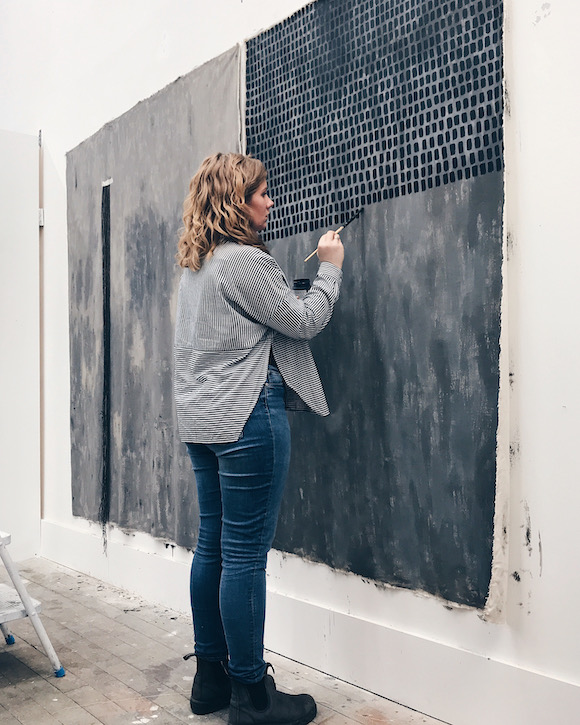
[398, 483]
[394, 106]
[150, 153]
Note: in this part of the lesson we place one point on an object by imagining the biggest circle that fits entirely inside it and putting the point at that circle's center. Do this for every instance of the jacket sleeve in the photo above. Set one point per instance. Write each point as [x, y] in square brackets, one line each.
[254, 283]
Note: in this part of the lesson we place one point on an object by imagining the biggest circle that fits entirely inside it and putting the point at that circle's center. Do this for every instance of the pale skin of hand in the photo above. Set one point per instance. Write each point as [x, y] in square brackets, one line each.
[330, 249]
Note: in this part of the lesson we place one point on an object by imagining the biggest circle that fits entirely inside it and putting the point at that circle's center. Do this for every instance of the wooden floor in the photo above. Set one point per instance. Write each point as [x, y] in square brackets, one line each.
[124, 663]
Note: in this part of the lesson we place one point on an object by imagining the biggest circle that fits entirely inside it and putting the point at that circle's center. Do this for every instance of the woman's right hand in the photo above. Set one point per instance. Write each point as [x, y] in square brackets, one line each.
[330, 249]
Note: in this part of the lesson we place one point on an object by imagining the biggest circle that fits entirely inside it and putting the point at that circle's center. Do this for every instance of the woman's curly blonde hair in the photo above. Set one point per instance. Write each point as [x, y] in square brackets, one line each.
[215, 210]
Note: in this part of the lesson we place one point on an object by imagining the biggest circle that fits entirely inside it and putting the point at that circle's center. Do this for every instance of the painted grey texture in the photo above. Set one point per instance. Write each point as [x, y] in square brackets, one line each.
[395, 105]
[398, 484]
[150, 152]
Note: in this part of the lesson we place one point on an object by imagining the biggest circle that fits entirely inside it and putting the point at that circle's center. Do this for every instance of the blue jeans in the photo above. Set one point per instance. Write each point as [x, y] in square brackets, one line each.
[240, 488]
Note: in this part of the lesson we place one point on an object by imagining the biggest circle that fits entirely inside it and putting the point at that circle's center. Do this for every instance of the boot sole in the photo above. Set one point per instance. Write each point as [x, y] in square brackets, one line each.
[303, 721]
[205, 708]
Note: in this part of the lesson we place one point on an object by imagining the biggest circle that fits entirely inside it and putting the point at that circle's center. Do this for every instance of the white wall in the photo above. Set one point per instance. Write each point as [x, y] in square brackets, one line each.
[84, 64]
[20, 343]
[543, 151]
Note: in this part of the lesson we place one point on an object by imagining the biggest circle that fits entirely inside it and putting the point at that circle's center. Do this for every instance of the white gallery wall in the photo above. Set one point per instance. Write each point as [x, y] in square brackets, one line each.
[68, 67]
[20, 341]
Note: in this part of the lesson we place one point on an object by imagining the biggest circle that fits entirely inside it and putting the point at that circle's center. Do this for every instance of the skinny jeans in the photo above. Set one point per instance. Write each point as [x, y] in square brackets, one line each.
[240, 488]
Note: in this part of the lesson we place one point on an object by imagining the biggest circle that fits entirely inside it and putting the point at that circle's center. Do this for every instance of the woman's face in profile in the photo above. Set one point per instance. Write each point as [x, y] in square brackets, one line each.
[260, 205]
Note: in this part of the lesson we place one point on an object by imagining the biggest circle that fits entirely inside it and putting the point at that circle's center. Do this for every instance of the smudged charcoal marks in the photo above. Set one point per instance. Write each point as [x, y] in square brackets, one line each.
[403, 471]
[86, 336]
[152, 485]
[416, 404]
[144, 405]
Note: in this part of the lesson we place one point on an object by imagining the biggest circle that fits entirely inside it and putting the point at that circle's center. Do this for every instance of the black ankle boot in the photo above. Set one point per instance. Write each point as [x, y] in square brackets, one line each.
[211, 688]
[281, 709]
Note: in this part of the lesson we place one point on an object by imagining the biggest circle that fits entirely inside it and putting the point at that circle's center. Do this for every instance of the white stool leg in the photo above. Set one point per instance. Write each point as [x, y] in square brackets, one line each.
[8, 636]
[31, 611]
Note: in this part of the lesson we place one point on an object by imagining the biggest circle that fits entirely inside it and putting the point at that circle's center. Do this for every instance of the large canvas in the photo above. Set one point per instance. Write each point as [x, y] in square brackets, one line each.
[128, 466]
[394, 107]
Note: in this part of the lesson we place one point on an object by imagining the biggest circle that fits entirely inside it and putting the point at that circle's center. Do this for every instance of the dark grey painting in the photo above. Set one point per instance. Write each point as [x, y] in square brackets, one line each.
[395, 107]
[127, 464]
[398, 484]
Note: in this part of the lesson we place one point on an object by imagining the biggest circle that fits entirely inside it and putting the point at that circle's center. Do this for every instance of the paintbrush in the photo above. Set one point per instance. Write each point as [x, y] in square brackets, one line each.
[344, 226]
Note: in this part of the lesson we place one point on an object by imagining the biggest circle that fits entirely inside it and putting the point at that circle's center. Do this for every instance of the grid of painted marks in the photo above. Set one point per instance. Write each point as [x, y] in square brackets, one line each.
[350, 102]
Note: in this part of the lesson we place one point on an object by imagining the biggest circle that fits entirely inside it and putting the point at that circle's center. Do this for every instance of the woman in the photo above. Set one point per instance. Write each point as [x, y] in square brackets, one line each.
[241, 358]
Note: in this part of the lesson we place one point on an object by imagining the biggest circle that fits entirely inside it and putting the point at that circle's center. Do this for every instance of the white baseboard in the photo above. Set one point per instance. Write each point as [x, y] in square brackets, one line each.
[435, 678]
[136, 562]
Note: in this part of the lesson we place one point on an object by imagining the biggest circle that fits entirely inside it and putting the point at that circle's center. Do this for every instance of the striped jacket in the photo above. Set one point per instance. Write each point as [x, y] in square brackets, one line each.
[230, 314]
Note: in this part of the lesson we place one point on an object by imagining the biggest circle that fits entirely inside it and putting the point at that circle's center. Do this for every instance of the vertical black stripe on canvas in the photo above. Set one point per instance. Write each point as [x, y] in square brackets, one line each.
[104, 508]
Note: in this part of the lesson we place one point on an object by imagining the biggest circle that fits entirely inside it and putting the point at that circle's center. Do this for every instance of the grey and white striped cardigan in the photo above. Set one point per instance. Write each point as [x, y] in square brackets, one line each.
[230, 314]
